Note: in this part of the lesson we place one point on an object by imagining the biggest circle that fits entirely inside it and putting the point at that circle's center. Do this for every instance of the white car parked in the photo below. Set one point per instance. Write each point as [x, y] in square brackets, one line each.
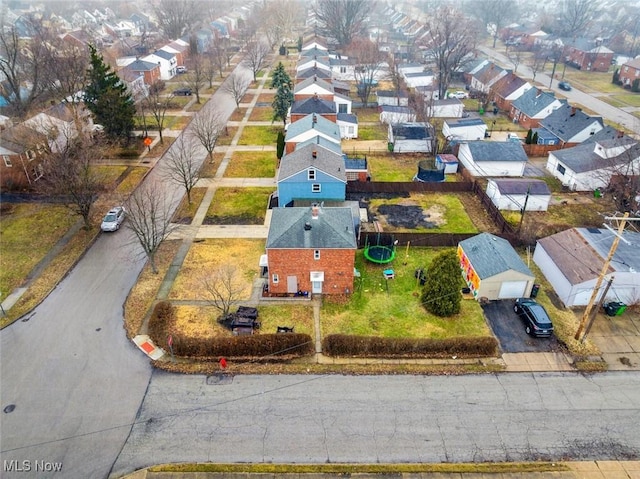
[113, 219]
[458, 94]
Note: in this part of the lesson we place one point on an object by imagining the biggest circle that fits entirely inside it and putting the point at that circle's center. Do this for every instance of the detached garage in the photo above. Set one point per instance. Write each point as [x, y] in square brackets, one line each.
[493, 269]
[515, 194]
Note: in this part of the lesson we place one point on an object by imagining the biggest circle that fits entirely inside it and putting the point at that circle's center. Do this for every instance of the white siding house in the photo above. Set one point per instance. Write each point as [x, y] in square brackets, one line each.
[493, 158]
[464, 129]
[516, 194]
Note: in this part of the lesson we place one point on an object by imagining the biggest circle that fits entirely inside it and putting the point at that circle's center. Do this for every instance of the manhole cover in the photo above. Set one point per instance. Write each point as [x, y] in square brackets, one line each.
[9, 408]
[219, 379]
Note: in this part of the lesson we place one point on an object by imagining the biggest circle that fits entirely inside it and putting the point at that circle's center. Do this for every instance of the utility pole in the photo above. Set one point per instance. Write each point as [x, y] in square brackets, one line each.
[587, 312]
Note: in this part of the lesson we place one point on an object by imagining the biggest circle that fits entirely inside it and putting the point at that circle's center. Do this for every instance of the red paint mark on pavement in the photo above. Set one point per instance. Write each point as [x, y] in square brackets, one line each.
[147, 347]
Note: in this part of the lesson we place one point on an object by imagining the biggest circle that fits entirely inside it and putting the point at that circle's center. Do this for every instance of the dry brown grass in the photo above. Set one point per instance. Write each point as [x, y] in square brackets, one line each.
[144, 292]
[198, 322]
[207, 255]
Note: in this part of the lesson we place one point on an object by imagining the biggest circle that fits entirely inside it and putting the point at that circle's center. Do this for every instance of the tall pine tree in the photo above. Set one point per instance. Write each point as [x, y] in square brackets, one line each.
[281, 102]
[106, 96]
[280, 76]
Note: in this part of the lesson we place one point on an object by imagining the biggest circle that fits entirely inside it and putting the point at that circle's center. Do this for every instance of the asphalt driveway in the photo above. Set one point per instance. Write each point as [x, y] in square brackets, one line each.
[509, 330]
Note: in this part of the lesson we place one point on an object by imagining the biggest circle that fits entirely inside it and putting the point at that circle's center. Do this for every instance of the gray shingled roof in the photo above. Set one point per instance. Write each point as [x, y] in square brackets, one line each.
[395, 109]
[141, 66]
[392, 94]
[325, 85]
[348, 118]
[313, 105]
[315, 51]
[322, 125]
[164, 54]
[411, 131]
[568, 121]
[585, 157]
[331, 229]
[314, 71]
[533, 101]
[521, 186]
[300, 159]
[497, 151]
[322, 141]
[491, 255]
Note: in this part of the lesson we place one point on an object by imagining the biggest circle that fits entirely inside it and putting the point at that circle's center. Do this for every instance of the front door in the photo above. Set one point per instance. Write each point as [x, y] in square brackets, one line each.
[292, 284]
[316, 287]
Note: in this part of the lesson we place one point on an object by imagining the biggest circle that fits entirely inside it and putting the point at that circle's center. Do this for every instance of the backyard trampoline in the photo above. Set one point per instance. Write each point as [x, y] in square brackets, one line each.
[384, 251]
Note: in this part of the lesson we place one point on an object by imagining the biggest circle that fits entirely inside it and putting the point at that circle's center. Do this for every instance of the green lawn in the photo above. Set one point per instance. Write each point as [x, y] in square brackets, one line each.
[372, 132]
[259, 135]
[444, 210]
[367, 114]
[390, 167]
[28, 232]
[252, 164]
[241, 206]
[391, 308]
[262, 113]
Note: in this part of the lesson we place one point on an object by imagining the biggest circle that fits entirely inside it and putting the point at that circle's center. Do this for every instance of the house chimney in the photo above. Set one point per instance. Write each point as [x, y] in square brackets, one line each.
[314, 120]
[538, 93]
[573, 111]
[620, 134]
[314, 154]
[314, 212]
[307, 226]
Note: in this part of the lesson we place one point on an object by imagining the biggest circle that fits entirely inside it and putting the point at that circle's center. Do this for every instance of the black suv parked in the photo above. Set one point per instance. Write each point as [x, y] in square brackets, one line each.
[535, 317]
[183, 92]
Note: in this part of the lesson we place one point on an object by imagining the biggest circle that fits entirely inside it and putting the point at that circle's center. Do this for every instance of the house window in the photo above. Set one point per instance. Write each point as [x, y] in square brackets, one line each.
[311, 174]
[31, 155]
[626, 69]
[561, 169]
[37, 172]
[343, 69]
[351, 130]
[342, 108]
[7, 161]
[274, 279]
[316, 254]
[315, 188]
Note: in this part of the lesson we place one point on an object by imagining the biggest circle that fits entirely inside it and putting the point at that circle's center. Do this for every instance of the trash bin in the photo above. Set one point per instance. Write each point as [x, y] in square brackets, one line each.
[534, 290]
[614, 308]
[597, 193]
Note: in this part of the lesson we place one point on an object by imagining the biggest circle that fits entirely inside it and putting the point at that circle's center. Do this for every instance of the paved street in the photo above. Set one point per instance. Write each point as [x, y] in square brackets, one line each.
[380, 419]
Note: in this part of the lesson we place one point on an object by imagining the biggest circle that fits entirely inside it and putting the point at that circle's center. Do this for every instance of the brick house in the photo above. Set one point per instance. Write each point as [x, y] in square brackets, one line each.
[21, 150]
[508, 89]
[313, 106]
[311, 250]
[532, 106]
[585, 54]
[629, 72]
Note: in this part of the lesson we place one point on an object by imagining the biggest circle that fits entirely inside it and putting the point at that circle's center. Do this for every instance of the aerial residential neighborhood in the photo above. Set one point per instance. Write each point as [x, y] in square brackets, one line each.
[211, 203]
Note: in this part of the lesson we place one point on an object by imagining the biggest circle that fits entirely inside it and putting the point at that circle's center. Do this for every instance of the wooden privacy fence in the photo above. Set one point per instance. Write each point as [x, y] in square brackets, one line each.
[372, 187]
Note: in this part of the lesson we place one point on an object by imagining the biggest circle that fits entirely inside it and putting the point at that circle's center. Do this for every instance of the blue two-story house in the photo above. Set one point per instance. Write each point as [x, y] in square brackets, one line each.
[311, 173]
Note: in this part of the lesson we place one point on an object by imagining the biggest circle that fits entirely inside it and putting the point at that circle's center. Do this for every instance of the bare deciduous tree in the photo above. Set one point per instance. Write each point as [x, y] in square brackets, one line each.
[256, 57]
[450, 43]
[22, 67]
[157, 105]
[577, 15]
[368, 61]
[175, 16]
[236, 85]
[181, 164]
[218, 54]
[70, 174]
[207, 126]
[197, 76]
[224, 287]
[149, 218]
[494, 14]
[343, 19]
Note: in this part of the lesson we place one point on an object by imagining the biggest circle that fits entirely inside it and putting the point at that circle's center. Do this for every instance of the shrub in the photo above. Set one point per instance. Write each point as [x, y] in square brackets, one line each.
[374, 346]
[266, 347]
[160, 321]
[441, 294]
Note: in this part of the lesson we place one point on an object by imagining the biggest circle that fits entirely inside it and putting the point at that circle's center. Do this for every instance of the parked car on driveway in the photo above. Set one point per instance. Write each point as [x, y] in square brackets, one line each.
[183, 92]
[181, 69]
[535, 317]
[564, 85]
[113, 219]
[461, 95]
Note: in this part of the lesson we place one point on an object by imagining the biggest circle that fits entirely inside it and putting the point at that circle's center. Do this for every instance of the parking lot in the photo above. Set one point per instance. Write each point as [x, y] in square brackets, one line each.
[509, 330]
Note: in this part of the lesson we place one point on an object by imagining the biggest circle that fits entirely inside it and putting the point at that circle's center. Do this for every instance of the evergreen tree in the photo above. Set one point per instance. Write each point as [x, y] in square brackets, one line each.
[106, 96]
[441, 294]
[282, 102]
[528, 139]
[280, 77]
[534, 139]
[635, 85]
[616, 77]
[280, 145]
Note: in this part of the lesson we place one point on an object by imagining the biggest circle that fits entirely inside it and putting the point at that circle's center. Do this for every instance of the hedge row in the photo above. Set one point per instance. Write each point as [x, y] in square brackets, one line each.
[261, 346]
[372, 346]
